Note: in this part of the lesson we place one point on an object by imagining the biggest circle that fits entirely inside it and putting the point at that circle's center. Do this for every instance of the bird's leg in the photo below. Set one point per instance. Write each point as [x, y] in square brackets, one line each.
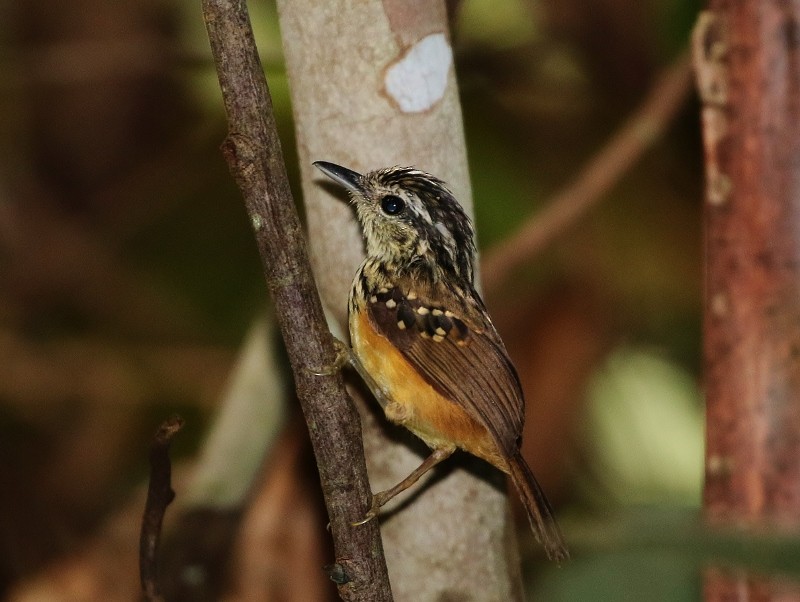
[379, 499]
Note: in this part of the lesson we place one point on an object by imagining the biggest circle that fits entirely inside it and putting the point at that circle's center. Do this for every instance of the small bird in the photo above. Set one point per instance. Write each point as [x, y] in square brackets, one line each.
[422, 339]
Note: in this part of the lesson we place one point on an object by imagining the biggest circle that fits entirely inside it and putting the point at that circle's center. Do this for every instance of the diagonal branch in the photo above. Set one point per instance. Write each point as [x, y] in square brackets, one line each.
[254, 156]
[638, 134]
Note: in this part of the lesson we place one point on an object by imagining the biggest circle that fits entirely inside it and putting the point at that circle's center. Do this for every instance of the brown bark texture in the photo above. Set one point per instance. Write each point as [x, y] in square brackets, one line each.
[253, 152]
[747, 61]
[372, 85]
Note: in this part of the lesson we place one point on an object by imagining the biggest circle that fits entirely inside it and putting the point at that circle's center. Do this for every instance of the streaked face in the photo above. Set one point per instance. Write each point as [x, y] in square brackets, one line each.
[409, 218]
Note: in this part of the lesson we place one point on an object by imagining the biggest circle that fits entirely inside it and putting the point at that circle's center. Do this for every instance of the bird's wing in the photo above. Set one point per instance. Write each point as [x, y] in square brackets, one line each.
[456, 349]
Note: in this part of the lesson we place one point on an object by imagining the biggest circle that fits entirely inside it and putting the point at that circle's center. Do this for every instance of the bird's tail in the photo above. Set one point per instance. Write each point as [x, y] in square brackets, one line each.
[538, 508]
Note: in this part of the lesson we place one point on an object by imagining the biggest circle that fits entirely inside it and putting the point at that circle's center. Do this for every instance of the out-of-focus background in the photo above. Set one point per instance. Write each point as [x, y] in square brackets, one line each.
[129, 275]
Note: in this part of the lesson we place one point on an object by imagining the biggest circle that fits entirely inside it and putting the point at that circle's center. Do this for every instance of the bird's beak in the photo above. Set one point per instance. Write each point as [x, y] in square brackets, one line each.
[341, 175]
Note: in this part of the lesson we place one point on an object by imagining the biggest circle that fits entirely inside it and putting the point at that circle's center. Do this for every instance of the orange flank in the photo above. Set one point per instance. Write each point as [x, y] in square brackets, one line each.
[415, 404]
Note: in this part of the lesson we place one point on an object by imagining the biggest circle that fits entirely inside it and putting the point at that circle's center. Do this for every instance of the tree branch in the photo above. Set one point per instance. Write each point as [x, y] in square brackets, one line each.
[570, 204]
[159, 496]
[254, 156]
[746, 55]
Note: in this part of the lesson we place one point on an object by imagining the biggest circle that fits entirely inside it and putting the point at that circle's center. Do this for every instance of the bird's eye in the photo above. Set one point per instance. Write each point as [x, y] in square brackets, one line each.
[392, 205]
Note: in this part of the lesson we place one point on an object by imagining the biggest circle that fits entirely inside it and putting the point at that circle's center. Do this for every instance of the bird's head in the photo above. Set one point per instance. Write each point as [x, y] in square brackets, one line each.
[411, 221]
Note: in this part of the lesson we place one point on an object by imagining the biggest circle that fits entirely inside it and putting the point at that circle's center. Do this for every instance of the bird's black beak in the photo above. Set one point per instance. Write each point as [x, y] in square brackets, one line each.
[341, 175]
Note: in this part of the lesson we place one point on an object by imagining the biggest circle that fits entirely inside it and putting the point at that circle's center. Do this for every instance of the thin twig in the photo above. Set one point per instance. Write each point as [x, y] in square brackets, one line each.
[254, 156]
[159, 496]
[638, 134]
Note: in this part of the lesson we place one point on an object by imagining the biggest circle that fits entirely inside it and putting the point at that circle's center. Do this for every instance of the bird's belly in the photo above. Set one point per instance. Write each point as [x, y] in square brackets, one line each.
[414, 403]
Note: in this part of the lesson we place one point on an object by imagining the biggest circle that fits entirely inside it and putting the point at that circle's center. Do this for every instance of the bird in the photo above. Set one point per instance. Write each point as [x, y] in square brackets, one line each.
[422, 339]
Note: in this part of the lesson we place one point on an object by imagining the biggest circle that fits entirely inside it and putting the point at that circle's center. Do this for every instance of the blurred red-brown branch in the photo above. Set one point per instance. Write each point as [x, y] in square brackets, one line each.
[639, 132]
[744, 55]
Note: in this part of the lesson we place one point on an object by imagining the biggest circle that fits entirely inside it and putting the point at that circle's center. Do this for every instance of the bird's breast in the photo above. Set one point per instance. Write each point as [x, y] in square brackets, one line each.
[417, 405]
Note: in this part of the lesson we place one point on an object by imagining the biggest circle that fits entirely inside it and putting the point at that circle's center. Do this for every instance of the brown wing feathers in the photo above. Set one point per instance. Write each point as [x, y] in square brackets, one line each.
[467, 363]
[461, 359]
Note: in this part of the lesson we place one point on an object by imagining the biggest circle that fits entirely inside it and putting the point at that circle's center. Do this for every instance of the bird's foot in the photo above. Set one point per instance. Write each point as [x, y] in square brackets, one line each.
[378, 500]
[343, 356]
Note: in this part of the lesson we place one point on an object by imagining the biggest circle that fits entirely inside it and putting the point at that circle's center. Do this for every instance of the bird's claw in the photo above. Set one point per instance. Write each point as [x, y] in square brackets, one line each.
[368, 517]
[342, 357]
[374, 509]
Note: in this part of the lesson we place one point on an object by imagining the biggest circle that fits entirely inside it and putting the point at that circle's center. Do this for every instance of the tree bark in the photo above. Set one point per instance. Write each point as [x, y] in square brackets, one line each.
[372, 85]
[253, 152]
[747, 57]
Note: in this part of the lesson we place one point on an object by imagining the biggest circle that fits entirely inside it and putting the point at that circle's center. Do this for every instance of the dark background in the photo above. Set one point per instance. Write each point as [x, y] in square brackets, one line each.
[128, 272]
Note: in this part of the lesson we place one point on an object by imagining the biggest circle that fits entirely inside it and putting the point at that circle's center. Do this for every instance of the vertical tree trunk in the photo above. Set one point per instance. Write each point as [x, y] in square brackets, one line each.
[748, 65]
[373, 85]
